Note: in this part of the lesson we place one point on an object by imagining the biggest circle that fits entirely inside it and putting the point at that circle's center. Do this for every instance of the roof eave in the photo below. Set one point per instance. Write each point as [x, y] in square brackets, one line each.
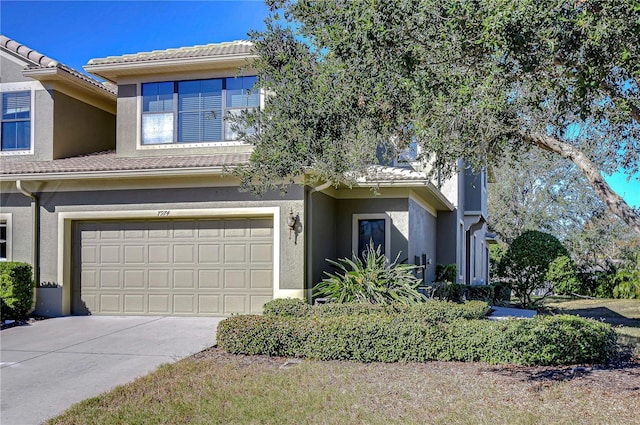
[60, 75]
[119, 174]
[112, 71]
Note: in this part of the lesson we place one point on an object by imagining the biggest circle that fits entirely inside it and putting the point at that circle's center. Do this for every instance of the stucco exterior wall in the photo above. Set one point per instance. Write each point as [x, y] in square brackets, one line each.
[80, 128]
[323, 235]
[56, 201]
[446, 248]
[396, 209]
[11, 69]
[423, 231]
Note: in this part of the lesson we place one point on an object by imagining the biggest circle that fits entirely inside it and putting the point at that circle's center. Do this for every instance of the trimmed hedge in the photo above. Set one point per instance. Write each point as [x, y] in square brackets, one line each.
[432, 310]
[494, 293]
[383, 337]
[16, 290]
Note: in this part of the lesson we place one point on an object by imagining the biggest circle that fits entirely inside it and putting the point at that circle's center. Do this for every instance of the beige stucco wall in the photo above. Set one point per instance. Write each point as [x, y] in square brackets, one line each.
[69, 197]
[80, 128]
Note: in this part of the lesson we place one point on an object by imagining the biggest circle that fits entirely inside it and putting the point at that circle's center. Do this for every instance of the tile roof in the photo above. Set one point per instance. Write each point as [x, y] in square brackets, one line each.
[108, 161]
[379, 173]
[238, 47]
[40, 61]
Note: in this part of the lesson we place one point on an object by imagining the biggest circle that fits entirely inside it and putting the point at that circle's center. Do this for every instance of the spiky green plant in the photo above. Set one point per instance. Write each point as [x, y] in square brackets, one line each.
[372, 279]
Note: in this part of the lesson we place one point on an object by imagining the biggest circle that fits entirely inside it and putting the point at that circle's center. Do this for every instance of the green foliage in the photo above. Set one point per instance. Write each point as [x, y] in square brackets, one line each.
[563, 276]
[374, 279]
[430, 311]
[627, 280]
[496, 251]
[526, 263]
[399, 337]
[287, 307]
[495, 294]
[464, 79]
[16, 290]
[446, 273]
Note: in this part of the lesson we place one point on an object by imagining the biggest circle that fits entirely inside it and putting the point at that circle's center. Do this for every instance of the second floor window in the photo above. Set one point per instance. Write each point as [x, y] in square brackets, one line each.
[194, 111]
[16, 121]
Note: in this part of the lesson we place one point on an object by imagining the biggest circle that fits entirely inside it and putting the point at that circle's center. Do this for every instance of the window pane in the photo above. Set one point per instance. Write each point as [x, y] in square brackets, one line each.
[229, 133]
[241, 94]
[157, 97]
[371, 230]
[199, 111]
[16, 105]
[3, 240]
[16, 135]
[157, 128]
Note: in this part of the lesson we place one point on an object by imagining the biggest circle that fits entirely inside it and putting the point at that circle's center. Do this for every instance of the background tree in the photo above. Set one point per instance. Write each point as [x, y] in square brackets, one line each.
[544, 192]
[466, 79]
[527, 264]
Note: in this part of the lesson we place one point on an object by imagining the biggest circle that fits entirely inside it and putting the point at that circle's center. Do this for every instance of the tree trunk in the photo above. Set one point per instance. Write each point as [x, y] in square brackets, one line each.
[616, 204]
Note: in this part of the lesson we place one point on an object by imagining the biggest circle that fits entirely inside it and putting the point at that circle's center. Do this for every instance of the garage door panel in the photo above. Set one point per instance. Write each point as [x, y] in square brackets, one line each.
[134, 303]
[235, 304]
[209, 253]
[257, 303]
[182, 267]
[159, 254]
[134, 279]
[183, 279]
[134, 254]
[184, 304]
[209, 279]
[209, 304]
[109, 303]
[109, 279]
[159, 279]
[261, 279]
[184, 254]
[159, 304]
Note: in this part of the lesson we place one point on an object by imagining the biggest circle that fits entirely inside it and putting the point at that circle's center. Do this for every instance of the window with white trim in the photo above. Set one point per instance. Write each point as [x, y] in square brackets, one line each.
[15, 129]
[195, 111]
[4, 240]
[369, 228]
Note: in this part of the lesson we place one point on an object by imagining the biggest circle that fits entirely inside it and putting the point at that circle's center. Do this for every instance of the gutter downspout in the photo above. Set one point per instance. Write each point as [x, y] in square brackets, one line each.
[308, 237]
[35, 213]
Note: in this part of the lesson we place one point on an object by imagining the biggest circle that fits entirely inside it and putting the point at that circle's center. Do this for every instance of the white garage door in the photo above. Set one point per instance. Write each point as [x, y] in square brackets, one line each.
[173, 267]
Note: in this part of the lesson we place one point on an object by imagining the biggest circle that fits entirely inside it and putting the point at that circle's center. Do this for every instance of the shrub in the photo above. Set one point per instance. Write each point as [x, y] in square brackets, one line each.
[494, 294]
[526, 263]
[429, 311]
[16, 290]
[375, 280]
[396, 337]
[562, 275]
[627, 280]
[287, 307]
[446, 273]
[447, 291]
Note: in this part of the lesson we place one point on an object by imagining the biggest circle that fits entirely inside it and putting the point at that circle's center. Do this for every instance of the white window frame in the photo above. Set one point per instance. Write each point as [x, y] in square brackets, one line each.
[355, 229]
[175, 144]
[6, 219]
[23, 87]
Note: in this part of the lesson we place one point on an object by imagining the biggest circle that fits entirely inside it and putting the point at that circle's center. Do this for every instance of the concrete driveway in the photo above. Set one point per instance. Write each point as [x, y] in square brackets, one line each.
[51, 364]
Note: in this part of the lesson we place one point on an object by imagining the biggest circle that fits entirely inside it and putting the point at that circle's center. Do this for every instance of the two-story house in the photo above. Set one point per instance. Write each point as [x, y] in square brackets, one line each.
[153, 224]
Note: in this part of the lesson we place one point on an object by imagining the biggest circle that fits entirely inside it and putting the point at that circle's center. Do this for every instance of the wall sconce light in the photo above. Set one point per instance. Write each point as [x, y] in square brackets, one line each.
[292, 220]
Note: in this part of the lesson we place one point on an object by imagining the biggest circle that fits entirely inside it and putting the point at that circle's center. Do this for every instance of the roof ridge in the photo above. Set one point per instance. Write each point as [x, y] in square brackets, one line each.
[27, 52]
[41, 61]
[161, 54]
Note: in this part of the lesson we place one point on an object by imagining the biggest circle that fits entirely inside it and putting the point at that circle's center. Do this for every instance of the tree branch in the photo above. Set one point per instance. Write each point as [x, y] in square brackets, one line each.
[611, 91]
[616, 204]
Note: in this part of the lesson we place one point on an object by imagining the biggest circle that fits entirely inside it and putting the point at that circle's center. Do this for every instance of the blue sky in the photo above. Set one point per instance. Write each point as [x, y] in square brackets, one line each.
[72, 32]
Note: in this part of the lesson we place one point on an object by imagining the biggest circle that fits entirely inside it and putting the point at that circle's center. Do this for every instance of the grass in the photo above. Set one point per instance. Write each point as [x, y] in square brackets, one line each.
[222, 388]
[218, 388]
